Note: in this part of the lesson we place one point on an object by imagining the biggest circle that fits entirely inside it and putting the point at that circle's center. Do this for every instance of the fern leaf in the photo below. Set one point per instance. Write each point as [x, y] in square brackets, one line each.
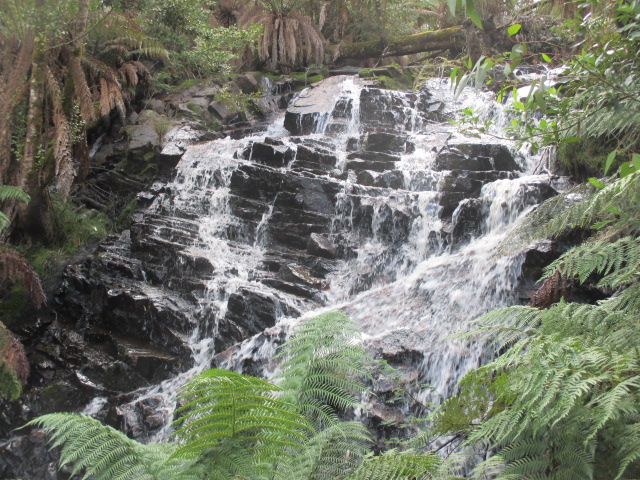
[323, 367]
[102, 451]
[220, 404]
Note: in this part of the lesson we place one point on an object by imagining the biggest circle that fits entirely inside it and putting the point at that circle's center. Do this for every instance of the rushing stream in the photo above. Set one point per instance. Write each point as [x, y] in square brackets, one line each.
[356, 198]
[368, 201]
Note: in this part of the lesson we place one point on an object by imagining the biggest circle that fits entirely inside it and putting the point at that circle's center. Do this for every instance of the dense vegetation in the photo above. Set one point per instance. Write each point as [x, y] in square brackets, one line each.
[561, 399]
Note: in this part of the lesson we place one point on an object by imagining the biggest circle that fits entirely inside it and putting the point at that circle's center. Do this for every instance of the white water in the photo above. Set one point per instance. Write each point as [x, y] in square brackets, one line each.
[409, 296]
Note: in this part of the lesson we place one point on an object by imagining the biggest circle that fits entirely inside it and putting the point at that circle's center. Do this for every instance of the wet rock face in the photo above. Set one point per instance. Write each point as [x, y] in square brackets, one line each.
[251, 231]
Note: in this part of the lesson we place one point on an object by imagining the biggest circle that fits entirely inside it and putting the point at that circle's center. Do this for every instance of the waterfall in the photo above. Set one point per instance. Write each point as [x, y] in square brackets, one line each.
[357, 199]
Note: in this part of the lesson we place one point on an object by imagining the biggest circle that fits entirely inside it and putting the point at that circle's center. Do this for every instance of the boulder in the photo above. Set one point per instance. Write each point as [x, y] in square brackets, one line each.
[320, 246]
[249, 83]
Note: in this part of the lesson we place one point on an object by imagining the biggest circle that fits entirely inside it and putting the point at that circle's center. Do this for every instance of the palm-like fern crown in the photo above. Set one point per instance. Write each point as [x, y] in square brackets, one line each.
[289, 39]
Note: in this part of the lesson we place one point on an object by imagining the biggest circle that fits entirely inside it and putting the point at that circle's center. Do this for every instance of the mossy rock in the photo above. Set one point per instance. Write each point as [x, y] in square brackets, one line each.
[392, 83]
[58, 397]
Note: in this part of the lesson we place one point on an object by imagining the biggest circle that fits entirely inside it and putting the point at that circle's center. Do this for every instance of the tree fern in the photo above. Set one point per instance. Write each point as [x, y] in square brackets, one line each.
[8, 192]
[617, 262]
[328, 454]
[582, 207]
[393, 465]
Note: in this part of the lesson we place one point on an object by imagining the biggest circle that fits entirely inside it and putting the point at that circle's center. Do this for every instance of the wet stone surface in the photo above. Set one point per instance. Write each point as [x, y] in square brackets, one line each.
[250, 231]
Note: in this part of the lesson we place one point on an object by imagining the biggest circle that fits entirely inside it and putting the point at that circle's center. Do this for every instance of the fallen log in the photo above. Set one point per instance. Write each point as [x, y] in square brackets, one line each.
[453, 39]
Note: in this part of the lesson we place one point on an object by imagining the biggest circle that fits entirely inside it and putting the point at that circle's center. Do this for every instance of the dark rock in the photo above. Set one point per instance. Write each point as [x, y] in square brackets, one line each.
[388, 143]
[267, 154]
[320, 246]
[314, 107]
[220, 111]
[248, 312]
[476, 157]
[390, 179]
[466, 221]
[454, 160]
[374, 166]
[366, 177]
[249, 82]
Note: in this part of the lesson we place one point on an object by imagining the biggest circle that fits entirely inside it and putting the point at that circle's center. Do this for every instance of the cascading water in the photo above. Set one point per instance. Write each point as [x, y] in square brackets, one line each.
[369, 202]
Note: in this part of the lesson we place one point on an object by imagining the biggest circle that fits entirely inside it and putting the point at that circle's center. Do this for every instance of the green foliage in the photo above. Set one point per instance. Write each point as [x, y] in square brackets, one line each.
[10, 387]
[7, 192]
[220, 405]
[103, 452]
[323, 368]
[393, 465]
[561, 401]
[196, 49]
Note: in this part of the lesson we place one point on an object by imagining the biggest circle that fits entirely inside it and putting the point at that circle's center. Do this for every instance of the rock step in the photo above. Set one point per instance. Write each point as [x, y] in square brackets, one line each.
[476, 157]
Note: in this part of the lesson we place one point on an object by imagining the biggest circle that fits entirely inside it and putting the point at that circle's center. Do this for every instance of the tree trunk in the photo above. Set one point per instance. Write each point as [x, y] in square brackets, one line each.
[452, 39]
[12, 91]
[35, 218]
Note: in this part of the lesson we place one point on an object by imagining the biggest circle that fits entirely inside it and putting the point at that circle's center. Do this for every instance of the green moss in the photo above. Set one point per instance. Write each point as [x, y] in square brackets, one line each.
[12, 304]
[124, 219]
[75, 227]
[211, 125]
[309, 77]
[194, 108]
[190, 82]
[392, 83]
[10, 387]
[57, 397]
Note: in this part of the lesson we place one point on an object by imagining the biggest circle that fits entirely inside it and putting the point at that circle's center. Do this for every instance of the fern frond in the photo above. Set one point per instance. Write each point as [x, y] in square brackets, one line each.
[329, 454]
[323, 367]
[8, 192]
[103, 452]
[392, 465]
[580, 207]
[612, 260]
[219, 404]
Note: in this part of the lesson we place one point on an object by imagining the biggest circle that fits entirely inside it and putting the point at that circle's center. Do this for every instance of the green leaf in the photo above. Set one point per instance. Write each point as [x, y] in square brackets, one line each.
[452, 7]
[613, 209]
[635, 161]
[454, 75]
[610, 158]
[600, 225]
[596, 183]
[546, 58]
[473, 15]
[513, 29]
[626, 169]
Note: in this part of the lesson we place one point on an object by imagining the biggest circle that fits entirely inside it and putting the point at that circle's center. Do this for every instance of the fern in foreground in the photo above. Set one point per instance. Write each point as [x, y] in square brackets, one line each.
[102, 451]
[323, 367]
[237, 426]
[562, 401]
